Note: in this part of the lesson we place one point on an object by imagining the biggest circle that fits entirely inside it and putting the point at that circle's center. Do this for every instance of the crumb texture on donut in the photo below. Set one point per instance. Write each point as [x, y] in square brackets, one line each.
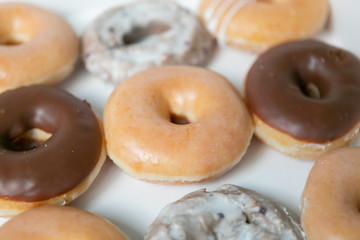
[258, 25]
[331, 197]
[229, 213]
[58, 223]
[128, 39]
[176, 124]
[36, 46]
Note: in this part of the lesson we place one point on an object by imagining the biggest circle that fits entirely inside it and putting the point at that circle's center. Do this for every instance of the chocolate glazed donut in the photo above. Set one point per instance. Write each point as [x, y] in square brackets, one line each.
[35, 171]
[307, 90]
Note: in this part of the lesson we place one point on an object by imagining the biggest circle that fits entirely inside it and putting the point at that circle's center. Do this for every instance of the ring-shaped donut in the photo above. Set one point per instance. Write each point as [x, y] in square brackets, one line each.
[36, 46]
[58, 223]
[258, 24]
[230, 212]
[304, 97]
[331, 198]
[128, 39]
[51, 171]
[176, 124]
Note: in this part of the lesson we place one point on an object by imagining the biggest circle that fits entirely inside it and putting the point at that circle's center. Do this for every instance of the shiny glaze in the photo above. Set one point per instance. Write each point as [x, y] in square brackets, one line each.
[56, 165]
[306, 89]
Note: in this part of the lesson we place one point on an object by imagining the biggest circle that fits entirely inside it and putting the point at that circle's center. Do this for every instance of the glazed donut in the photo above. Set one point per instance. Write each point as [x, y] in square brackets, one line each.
[176, 124]
[303, 97]
[36, 46]
[258, 24]
[129, 39]
[55, 166]
[230, 212]
[58, 223]
[331, 198]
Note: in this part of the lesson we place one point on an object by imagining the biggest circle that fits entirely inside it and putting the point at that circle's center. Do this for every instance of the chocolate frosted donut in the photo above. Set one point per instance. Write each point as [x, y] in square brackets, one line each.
[304, 97]
[128, 39]
[230, 212]
[51, 147]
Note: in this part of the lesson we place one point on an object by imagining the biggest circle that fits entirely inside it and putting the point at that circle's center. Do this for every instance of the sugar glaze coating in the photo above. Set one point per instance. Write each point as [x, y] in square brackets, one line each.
[128, 39]
[230, 212]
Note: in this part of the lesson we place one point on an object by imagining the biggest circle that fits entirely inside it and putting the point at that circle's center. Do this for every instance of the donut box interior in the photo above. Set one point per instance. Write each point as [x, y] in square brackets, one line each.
[132, 204]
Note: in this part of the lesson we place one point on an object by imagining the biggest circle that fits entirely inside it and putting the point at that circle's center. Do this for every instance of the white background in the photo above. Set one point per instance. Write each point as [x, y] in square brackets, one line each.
[131, 204]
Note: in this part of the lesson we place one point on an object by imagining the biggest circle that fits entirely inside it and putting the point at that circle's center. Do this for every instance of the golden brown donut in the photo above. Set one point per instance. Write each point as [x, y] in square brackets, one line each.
[331, 198]
[36, 46]
[257, 25]
[176, 124]
[58, 223]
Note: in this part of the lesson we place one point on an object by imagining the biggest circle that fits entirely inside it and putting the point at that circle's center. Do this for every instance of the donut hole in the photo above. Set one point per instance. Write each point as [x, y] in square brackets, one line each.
[140, 33]
[179, 119]
[272, 1]
[15, 39]
[29, 140]
[309, 89]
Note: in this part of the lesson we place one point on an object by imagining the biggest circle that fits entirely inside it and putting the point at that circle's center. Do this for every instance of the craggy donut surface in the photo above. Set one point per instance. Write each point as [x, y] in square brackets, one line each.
[331, 198]
[58, 223]
[259, 24]
[129, 39]
[230, 212]
[36, 46]
[176, 124]
[55, 169]
[304, 97]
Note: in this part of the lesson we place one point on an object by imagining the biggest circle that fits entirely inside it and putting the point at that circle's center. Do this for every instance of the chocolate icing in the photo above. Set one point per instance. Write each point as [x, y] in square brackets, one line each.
[306, 89]
[56, 165]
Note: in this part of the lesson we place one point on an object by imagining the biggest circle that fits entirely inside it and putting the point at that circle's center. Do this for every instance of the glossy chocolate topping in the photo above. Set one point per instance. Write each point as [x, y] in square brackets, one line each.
[306, 89]
[56, 165]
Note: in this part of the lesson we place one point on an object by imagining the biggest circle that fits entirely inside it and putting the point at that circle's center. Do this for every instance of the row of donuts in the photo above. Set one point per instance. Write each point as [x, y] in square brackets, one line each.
[313, 68]
[329, 210]
[128, 39]
[177, 113]
[125, 40]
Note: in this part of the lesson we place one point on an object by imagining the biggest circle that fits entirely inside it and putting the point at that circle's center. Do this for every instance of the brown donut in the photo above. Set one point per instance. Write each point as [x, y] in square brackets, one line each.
[331, 197]
[304, 97]
[36, 46]
[54, 170]
[58, 223]
[176, 124]
[259, 24]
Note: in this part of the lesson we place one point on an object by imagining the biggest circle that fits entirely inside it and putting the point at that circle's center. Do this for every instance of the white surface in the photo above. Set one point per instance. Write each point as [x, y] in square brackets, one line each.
[131, 204]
